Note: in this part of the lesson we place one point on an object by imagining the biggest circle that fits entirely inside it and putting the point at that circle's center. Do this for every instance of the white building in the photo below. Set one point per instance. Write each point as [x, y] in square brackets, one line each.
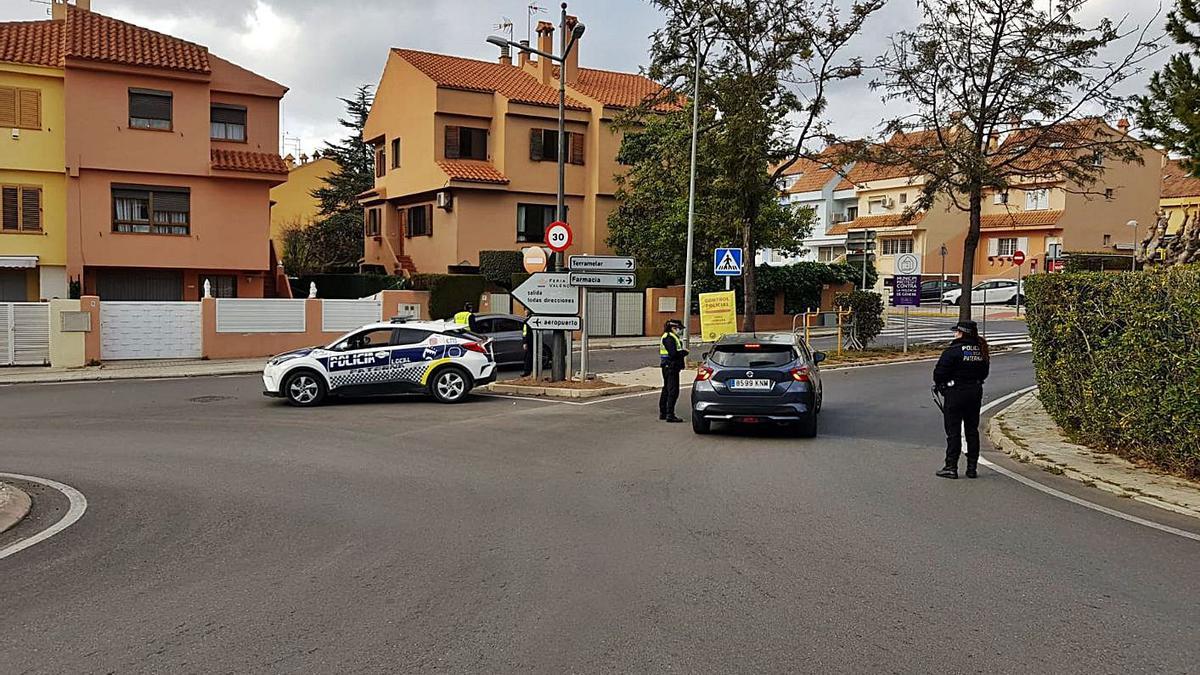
[815, 185]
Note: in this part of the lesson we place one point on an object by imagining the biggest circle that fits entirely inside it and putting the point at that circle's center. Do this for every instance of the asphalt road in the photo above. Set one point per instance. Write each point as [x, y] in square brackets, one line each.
[228, 533]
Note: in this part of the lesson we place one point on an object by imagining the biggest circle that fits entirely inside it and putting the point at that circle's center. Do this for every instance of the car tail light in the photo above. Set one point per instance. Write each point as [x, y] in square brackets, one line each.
[475, 347]
[704, 374]
[800, 374]
[752, 345]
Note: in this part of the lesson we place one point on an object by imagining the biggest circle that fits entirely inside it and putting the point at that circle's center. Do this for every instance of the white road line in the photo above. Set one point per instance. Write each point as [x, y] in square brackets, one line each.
[74, 513]
[1067, 497]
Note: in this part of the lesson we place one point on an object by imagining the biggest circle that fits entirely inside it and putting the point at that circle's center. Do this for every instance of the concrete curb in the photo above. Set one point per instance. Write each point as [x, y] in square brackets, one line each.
[102, 375]
[557, 392]
[14, 505]
[1025, 432]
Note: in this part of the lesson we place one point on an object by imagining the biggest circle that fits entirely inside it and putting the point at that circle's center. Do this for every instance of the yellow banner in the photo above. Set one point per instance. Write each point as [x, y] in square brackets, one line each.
[718, 315]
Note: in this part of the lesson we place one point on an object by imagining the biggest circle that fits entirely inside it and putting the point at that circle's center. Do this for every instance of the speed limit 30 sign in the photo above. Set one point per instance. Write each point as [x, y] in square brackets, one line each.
[558, 236]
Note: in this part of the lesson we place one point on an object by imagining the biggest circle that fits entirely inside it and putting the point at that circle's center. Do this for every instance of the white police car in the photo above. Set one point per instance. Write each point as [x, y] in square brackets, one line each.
[440, 358]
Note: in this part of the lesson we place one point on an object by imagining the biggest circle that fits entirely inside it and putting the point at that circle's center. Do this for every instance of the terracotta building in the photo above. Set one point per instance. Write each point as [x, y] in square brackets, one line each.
[466, 155]
[170, 154]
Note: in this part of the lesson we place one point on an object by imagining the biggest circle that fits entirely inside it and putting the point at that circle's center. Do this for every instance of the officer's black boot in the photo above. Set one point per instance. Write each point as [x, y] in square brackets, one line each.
[971, 472]
[948, 471]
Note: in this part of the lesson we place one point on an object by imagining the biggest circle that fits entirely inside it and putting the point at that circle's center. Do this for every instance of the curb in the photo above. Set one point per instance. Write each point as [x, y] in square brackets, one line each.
[14, 505]
[126, 374]
[557, 392]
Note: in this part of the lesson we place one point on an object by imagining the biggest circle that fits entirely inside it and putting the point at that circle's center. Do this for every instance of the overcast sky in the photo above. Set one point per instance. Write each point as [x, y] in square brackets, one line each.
[322, 49]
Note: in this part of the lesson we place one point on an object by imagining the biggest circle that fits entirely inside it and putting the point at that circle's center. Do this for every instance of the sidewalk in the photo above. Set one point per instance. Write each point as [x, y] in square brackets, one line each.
[14, 504]
[1025, 431]
[132, 370]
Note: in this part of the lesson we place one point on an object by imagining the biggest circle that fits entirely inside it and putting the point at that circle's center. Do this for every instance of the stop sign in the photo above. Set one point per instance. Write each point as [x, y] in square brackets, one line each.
[1019, 258]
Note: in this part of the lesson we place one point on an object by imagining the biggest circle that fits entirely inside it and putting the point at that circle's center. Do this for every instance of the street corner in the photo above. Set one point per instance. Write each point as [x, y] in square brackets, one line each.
[1027, 433]
[14, 505]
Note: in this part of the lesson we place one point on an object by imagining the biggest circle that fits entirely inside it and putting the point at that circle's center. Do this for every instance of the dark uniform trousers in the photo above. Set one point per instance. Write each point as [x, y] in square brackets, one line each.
[963, 401]
[670, 390]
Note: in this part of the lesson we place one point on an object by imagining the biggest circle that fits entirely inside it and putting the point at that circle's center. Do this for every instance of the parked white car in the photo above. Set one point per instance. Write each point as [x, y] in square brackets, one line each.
[994, 292]
[440, 358]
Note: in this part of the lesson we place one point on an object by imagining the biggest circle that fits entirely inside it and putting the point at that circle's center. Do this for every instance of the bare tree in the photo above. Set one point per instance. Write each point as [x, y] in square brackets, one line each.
[979, 70]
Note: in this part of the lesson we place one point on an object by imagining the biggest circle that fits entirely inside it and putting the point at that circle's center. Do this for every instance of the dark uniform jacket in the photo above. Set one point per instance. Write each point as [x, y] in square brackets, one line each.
[673, 346]
[962, 363]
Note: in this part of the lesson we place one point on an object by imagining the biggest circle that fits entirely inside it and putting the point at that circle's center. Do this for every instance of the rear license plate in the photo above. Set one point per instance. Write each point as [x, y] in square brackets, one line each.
[751, 384]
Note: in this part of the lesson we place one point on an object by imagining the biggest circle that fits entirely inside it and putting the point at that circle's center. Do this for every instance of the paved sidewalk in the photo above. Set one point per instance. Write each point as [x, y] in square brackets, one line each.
[132, 370]
[1025, 431]
[14, 504]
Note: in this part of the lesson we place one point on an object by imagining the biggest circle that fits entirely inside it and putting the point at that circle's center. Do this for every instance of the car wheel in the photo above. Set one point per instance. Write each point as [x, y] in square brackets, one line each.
[1017, 299]
[700, 425]
[450, 385]
[807, 427]
[304, 389]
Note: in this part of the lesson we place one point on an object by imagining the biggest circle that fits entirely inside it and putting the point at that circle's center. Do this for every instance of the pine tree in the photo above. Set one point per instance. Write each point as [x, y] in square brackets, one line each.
[1170, 114]
[335, 239]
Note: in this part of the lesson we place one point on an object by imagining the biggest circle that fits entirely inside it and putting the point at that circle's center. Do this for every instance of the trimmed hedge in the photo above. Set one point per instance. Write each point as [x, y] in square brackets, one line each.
[800, 284]
[449, 292]
[1118, 361]
[345, 286]
[499, 266]
[1096, 261]
[866, 309]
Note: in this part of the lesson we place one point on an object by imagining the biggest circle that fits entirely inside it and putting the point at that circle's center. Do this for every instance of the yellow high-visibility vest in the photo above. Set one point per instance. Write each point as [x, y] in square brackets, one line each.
[463, 318]
[662, 349]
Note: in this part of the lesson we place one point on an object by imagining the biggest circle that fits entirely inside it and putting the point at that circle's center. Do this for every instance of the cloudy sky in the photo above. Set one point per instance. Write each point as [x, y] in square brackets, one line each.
[323, 49]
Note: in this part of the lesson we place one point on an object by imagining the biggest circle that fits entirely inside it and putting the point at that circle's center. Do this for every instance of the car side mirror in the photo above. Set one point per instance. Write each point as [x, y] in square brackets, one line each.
[818, 357]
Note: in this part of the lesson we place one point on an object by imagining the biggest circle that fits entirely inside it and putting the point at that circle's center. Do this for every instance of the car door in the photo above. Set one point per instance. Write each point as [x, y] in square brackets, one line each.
[984, 293]
[361, 363]
[413, 350]
[508, 339]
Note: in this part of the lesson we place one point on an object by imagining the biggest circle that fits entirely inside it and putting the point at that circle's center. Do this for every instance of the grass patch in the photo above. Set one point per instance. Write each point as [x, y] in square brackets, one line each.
[565, 384]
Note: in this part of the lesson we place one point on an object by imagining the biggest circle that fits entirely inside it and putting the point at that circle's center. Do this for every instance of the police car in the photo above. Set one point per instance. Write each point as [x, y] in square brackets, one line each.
[440, 358]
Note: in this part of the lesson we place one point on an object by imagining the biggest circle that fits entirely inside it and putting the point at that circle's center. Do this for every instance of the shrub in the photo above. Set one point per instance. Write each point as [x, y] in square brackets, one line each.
[346, 286]
[1118, 361]
[1096, 261]
[449, 292]
[499, 266]
[800, 284]
[866, 311]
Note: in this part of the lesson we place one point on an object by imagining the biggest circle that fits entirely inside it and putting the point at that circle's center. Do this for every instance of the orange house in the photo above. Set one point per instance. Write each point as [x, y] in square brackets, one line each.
[171, 153]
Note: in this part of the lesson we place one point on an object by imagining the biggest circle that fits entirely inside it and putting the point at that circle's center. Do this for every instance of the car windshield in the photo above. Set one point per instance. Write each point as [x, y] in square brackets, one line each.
[752, 355]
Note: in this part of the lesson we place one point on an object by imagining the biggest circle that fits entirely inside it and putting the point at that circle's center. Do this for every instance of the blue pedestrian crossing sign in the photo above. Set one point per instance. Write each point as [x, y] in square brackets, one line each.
[727, 262]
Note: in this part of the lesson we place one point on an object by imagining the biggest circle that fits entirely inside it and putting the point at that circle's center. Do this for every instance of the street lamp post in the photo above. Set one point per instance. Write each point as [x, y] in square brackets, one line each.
[1133, 253]
[696, 34]
[558, 364]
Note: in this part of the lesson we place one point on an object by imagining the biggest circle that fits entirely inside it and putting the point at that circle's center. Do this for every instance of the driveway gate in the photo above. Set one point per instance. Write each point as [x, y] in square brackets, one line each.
[24, 334]
[616, 313]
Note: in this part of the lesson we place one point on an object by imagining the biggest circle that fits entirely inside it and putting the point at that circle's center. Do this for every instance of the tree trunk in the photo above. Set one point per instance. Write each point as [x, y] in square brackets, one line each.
[970, 244]
[749, 291]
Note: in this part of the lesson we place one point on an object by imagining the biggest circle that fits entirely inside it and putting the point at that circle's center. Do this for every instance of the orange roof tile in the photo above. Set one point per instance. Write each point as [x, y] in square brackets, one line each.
[884, 221]
[254, 162]
[1015, 219]
[838, 228]
[815, 173]
[619, 90]
[1177, 182]
[456, 72]
[37, 43]
[472, 171]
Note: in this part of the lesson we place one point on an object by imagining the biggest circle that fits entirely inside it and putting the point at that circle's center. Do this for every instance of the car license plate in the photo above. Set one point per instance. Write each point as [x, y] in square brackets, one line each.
[751, 384]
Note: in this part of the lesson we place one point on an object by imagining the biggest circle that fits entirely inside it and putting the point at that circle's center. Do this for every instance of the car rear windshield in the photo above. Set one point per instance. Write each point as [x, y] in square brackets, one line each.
[752, 355]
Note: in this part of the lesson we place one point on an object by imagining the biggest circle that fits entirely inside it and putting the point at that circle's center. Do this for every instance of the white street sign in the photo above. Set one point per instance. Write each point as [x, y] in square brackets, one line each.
[603, 280]
[540, 322]
[908, 263]
[601, 263]
[548, 293]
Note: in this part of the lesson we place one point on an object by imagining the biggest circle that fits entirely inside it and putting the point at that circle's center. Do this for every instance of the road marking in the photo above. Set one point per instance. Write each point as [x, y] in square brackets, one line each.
[74, 513]
[1029, 482]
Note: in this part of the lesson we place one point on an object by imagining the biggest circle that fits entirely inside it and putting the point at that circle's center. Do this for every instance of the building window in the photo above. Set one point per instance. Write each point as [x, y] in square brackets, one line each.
[1108, 240]
[543, 146]
[1037, 200]
[380, 162]
[1000, 197]
[903, 197]
[371, 223]
[157, 210]
[228, 123]
[830, 253]
[222, 285]
[532, 220]
[20, 108]
[1109, 193]
[149, 109]
[851, 213]
[1006, 247]
[466, 143]
[895, 246]
[395, 153]
[20, 208]
[419, 221]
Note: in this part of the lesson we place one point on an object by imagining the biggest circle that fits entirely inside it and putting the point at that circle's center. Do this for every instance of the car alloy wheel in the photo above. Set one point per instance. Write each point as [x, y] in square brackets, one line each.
[450, 385]
[304, 389]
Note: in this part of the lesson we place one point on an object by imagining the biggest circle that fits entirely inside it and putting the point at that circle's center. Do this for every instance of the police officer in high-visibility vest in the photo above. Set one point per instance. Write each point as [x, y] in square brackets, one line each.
[959, 376]
[671, 356]
[467, 316]
[527, 348]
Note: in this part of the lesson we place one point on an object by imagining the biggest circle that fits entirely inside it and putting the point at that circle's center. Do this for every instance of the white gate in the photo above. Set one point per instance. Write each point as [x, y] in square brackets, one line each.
[345, 315]
[615, 313]
[24, 333]
[149, 330]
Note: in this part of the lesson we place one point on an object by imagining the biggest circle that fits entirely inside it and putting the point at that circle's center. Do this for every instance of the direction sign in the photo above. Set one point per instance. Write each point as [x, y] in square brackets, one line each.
[534, 259]
[908, 263]
[558, 236]
[601, 263]
[542, 322]
[548, 293]
[603, 280]
[727, 262]
[1019, 258]
[906, 291]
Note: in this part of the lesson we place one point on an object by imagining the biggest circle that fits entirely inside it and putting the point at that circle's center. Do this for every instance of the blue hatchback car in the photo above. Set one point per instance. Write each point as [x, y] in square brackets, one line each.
[758, 379]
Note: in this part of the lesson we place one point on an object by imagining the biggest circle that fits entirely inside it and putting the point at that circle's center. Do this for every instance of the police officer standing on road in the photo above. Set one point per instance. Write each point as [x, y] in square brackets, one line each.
[671, 356]
[466, 317]
[959, 376]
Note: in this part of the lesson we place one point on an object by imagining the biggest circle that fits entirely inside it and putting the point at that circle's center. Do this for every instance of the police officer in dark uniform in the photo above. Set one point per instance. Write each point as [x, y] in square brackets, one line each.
[959, 376]
[671, 356]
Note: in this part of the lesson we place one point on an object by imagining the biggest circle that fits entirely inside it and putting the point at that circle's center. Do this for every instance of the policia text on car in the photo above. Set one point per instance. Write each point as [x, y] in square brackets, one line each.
[959, 376]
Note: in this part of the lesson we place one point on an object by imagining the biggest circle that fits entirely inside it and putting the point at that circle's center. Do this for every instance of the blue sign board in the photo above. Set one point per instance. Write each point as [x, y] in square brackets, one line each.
[727, 262]
[906, 290]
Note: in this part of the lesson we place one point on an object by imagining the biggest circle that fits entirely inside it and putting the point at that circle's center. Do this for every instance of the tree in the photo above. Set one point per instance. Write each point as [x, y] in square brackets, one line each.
[976, 69]
[335, 239]
[768, 67]
[1170, 113]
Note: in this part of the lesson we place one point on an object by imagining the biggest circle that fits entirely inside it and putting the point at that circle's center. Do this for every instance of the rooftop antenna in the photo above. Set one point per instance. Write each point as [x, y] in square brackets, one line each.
[532, 9]
[505, 26]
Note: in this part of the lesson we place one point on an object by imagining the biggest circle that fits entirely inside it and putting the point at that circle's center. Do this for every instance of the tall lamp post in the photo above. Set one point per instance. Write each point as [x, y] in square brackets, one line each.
[696, 33]
[1133, 251]
[559, 363]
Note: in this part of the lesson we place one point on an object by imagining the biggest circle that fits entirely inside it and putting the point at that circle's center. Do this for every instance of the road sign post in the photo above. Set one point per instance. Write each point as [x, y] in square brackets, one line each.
[906, 286]
[596, 271]
[727, 262]
[1018, 260]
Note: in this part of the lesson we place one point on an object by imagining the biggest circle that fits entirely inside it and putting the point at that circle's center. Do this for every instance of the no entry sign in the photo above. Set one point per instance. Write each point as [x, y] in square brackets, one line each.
[1019, 258]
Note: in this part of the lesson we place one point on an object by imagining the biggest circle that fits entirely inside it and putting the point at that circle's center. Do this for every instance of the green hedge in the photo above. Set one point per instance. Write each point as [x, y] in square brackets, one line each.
[866, 308]
[449, 292]
[345, 286]
[1096, 261]
[800, 284]
[499, 266]
[1118, 361]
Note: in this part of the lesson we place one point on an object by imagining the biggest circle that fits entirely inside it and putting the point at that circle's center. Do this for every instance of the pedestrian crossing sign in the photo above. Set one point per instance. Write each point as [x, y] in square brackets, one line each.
[727, 262]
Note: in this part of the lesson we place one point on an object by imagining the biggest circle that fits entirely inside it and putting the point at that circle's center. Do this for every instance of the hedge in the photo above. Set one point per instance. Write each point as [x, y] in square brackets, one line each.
[499, 266]
[1096, 261]
[1118, 361]
[345, 286]
[866, 310]
[800, 284]
[449, 292]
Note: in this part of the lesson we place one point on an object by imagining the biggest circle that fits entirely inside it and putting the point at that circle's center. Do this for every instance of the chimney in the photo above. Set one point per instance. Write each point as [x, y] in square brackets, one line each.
[84, 4]
[290, 161]
[505, 56]
[545, 31]
[1123, 125]
[571, 65]
[523, 57]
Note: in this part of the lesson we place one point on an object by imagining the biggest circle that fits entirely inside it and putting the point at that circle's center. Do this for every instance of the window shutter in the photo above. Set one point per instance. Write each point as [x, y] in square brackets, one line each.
[1023, 244]
[29, 104]
[429, 220]
[9, 212]
[31, 208]
[8, 107]
[172, 201]
[536, 138]
[150, 106]
[403, 220]
[452, 142]
[576, 148]
[229, 115]
[993, 247]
